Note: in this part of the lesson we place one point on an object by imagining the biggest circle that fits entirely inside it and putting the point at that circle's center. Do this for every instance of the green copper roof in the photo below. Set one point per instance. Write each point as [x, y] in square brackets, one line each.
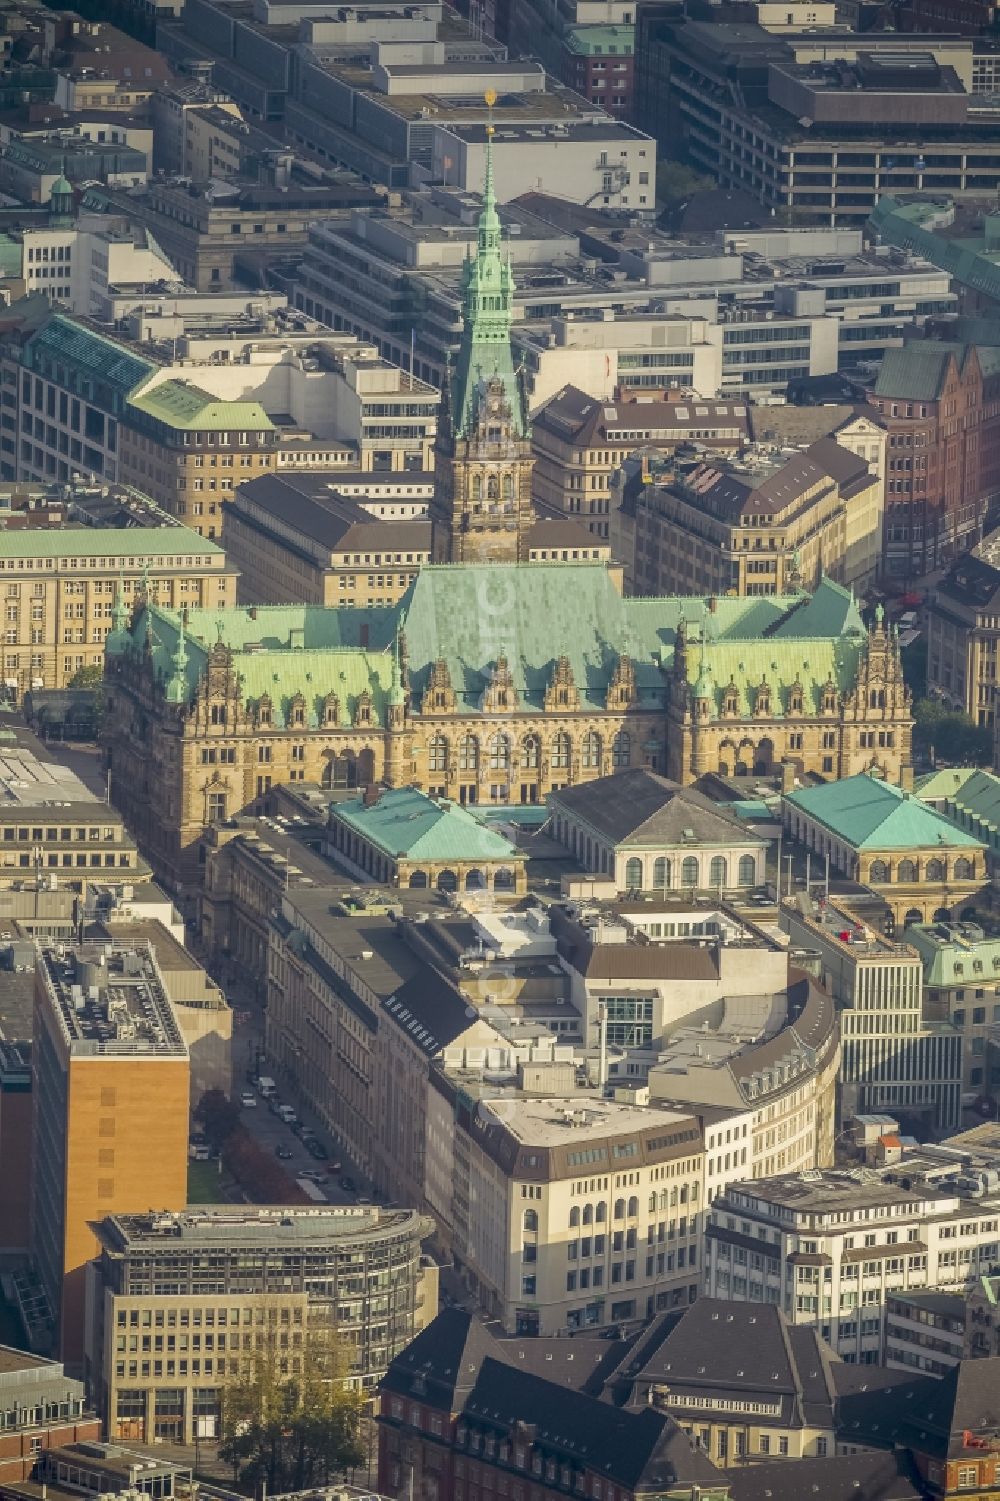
[307, 661]
[487, 311]
[117, 542]
[469, 616]
[600, 41]
[532, 614]
[407, 824]
[180, 404]
[917, 225]
[869, 814]
[64, 340]
[949, 955]
[969, 797]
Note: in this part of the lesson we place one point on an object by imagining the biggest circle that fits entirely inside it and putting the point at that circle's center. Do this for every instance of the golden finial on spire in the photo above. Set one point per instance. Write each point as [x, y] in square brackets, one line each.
[491, 98]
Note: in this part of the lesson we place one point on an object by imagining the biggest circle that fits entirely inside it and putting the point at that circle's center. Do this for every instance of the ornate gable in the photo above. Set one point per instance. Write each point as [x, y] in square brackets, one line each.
[439, 695]
[500, 694]
[562, 693]
[622, 693]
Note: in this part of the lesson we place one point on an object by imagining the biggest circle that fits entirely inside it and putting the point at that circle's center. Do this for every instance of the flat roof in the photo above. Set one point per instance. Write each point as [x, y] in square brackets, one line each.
[112, 542]
[111, 1002]
[572, 1118]
[274, 1226]
[27, 782]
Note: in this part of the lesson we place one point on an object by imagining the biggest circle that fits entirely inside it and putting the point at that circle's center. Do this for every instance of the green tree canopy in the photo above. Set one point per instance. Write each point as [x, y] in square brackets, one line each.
[288, 1419]
[88, 677]
[951, 735]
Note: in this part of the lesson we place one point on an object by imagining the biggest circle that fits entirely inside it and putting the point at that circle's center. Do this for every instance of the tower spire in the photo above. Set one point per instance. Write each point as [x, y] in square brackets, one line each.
[487, 311]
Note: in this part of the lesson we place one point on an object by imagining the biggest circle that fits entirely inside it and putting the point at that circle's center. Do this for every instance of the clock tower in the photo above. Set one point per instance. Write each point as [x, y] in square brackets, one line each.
[482, 511]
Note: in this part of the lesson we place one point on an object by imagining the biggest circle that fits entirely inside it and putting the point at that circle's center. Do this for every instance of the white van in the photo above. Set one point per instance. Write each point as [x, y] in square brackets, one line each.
[266, 1087]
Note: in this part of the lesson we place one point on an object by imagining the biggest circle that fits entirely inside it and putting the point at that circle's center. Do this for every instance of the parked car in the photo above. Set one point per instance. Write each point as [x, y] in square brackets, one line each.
[348, 1184]
[318, 1150]
[274, 1105]
[248, 1100]
[313, 1176]
[284, 1153]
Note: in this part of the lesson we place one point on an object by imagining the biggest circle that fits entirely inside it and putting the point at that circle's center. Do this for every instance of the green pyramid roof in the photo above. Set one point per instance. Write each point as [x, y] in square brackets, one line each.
[866, 813]
[406, 823]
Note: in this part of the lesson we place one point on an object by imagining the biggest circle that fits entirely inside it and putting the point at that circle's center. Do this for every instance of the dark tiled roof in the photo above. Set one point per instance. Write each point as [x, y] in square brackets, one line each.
[849, 1477]
[972, 582]
[639, 804]
[324, 516]
[644, 1450]
[720, 1351]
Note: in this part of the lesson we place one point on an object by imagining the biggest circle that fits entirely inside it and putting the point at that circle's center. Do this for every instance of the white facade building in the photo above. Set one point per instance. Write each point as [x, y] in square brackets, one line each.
[828, 1248]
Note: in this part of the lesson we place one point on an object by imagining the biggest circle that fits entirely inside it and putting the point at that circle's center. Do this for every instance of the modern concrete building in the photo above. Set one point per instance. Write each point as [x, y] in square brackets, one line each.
[41, 1408]
[819, 121]
[901, 1051]
[243, 1280]
[107, 1057]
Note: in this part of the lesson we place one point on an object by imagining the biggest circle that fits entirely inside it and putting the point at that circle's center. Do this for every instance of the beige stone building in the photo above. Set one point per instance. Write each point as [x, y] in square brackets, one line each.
[762, 524]
[962, 618]
[571, 1194]
[923, 866]
[58, 587]
[298, 540]
[571, 682]
[579, 443]
[189, 450]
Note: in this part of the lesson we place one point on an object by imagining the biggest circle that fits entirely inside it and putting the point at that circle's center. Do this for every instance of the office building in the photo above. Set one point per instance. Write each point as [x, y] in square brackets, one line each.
[961, 614]
[54, 832]
[619, 310]
[552, 1248]
[578, 443]
[961, 968]
[474, 1388]
[110, 1091]
[925, 1331]
[204, 393]
[59, 587]
[900, 1049]
[830, 1247]
[743, 1382]
[766, 522]
[221, 242]
[820, 121]
[216, 1284]
[297, 537]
